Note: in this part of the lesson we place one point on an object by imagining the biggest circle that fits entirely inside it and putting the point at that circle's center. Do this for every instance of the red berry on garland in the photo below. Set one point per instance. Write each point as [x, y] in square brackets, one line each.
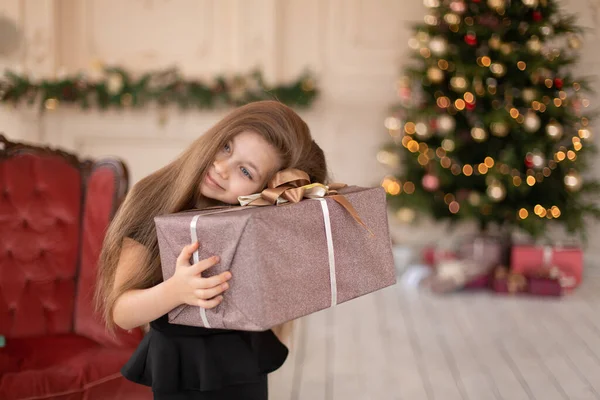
[537, 16]
[529, 160]
[471, 39]
[558, 83]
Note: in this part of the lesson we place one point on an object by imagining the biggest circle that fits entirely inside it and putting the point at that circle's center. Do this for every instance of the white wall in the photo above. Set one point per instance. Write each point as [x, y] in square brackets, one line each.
[355, 46]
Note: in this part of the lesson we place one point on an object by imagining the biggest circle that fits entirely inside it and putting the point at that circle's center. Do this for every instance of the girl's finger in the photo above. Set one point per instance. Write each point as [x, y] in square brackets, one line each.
[206, 283]
[212, 303]
[186, 253]
[203, 265]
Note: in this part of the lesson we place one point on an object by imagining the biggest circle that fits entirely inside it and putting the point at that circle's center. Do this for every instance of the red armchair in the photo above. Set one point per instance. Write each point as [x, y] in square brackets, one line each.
[54, 210]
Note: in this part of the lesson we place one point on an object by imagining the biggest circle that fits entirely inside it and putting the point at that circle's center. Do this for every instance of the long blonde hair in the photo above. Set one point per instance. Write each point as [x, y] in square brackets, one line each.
[174, 188]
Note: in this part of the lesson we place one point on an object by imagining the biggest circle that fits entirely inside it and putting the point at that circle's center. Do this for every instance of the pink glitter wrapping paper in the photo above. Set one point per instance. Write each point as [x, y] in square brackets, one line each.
[279, 259]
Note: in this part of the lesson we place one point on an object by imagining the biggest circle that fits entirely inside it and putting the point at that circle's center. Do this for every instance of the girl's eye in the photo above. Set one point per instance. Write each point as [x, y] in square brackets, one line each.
[227, 148]
[245, 172]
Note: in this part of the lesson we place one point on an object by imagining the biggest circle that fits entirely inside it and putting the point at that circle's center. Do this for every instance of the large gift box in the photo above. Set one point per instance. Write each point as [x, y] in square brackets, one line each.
[562, 263]
[287, 261]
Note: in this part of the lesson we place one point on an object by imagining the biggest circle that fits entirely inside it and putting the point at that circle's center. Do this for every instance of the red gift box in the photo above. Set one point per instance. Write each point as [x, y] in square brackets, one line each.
[432, 255]
[545, 287]
[562, 263]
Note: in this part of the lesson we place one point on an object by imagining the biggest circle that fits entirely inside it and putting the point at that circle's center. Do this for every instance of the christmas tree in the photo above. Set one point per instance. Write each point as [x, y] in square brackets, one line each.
[491, 124]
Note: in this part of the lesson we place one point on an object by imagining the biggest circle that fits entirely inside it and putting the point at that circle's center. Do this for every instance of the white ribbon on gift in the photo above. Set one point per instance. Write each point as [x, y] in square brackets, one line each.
[328, 236]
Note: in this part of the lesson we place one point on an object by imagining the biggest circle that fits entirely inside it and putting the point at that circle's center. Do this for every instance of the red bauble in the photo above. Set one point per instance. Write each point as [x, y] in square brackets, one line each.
[529, 161]
[433, 124]
[558, 83]
[470, 106]
[537, 16]
[476, 1]
[431, 183]
[471, 39]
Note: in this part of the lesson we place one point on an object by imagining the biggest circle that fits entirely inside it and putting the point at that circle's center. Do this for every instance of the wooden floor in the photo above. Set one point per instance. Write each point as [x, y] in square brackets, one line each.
[402, 343]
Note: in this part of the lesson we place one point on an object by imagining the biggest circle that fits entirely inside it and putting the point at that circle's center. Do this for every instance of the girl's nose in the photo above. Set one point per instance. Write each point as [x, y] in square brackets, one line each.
[221, 168]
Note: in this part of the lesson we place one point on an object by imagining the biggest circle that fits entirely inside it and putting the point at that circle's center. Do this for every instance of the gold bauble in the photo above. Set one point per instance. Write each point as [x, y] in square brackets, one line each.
[554, 130]
[498, 69]
[529, 95]
[496, 191]
[499, 128]
[405, 215]
[574, 42]
[431, 3]
[573, 181]
[435, 74]
[531, 3]
[422, 131]
[495, 42]
[479, 134]
[532, 122]
[445, 124]
[438, 46]
[458, 83]
[534, 44]
[496, 4]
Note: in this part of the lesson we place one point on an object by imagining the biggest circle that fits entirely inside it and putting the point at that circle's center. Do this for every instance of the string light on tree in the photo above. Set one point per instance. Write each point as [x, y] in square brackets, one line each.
[554, 130]
[573, 181]
[532, 122]
[496, 191]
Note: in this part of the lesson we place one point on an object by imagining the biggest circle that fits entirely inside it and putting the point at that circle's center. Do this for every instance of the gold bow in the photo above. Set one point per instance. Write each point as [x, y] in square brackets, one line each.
[292, 185]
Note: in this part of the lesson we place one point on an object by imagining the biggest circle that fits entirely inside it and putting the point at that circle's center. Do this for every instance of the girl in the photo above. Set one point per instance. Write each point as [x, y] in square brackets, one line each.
[236, 157]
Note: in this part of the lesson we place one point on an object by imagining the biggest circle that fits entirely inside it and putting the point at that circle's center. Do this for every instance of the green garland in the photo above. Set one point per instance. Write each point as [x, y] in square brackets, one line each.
[119, 89]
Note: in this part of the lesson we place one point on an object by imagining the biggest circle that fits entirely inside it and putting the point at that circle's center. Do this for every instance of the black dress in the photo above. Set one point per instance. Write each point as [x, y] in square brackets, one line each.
[184, 362]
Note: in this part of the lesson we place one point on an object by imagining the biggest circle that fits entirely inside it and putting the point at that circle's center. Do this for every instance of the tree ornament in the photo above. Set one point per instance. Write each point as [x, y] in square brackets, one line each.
[523, 27]
[585, 133]
[532, 122]
[573, 181]
[554, 130]
[445, 124]
[528, 162]
[430, 182]
[458, 6]
[574, 42]
[496, 4]
[435, 74]
[531, 3]
[547, 30]
[452, 19]
[458, 83]
[422, 131]
[495, 42]
[534, 44]
[406, 215]
[431, 3]
[535, 160]
[496, 191]
[474, 199]
[499, 128]
[529, 95]
[558, 83]
[537, 16]
[438, 46]
[499, 70]
[471, 39]
[479, 134]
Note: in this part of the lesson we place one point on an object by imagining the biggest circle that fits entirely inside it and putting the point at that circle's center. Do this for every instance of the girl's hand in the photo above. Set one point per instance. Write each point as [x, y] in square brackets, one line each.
[190, 287]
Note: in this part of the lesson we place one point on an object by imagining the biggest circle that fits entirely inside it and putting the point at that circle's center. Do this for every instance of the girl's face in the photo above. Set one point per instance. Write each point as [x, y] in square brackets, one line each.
[242, 167]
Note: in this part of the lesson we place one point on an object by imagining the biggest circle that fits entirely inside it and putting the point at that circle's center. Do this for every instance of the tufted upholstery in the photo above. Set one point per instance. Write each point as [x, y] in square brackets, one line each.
[54, 210]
